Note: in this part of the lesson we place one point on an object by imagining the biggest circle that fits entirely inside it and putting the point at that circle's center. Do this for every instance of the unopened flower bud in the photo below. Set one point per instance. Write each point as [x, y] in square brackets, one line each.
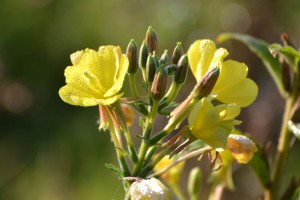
[151, 40]
[151, 67]
[132, 55]
[194, 181]
[241, 147]
[159, 83]
[177, 53]
[206, 83]
[164, 58]
[181, 70]
[143, 55]
[150, 189]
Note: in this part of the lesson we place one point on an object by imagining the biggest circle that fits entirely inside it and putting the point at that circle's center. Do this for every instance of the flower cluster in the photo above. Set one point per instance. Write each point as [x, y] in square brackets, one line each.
[222, 89]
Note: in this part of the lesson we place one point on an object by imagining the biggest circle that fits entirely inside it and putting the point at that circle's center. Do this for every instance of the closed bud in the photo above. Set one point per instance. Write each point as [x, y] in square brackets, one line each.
[151, 40]
[194, 181]
[150, 189]
[206, 83]
[164, 58]
[177, 53]
[132, 55]
[181, 70]
[151, 67]
[159, 83]
[143, 55]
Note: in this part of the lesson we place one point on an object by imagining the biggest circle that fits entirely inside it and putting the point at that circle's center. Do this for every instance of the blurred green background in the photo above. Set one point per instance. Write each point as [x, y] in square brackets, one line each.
[53, 151]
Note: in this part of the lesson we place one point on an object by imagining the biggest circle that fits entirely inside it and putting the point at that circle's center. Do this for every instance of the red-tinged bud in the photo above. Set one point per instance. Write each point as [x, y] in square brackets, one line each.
[151, 40]
[143, 55]
[181, 70]
[159, 84]
[132, 55]
[177, 53]
[206, 83]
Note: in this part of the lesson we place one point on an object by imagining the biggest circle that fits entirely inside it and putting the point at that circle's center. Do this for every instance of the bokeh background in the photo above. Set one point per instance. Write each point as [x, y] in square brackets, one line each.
[53, 151]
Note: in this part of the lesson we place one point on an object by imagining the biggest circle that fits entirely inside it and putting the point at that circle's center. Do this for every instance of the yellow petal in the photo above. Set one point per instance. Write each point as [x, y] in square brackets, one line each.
[205, 124]
[228, 111]
[233, 86]
[200, 54]
[119, 76]
[76, 97]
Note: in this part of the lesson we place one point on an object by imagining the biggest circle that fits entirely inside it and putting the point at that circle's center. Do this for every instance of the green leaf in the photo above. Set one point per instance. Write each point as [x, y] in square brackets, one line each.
[290, 55]
[261, 168]
[116, 170]
[261, 49]
[296, 195]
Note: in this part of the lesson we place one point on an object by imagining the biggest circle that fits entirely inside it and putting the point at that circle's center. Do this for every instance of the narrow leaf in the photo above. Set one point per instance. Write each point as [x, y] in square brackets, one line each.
[261, 169]
[261, 49]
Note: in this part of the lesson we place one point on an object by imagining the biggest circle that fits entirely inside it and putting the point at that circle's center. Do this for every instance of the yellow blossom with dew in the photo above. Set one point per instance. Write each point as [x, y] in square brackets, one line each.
[212, 124]
[232, 86]
[96, 77]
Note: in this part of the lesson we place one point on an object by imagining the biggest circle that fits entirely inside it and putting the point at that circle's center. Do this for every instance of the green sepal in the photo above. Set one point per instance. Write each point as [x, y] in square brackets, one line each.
[261, 49]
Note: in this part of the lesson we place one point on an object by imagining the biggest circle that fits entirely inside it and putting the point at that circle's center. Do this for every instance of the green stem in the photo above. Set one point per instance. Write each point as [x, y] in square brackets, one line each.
[146, 138]
[170, 96]
[133, 86]
[282, 155]
[118, 112]
[120, 155]
[174, 121]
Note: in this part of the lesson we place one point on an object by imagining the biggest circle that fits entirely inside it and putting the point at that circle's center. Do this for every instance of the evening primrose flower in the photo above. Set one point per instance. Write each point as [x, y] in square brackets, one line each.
[212, 124]
[96, 77]
[232, 86]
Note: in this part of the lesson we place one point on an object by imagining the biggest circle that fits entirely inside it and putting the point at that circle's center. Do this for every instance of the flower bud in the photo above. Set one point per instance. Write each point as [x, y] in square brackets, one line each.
[151, 67]
[206, 83]
[194, 181]
[177, 53]
[151, 189]
[159, 83]
[241, 147]
[151, 40]
[164, 58]
[132, 55]
[181, 70]
[143, 55]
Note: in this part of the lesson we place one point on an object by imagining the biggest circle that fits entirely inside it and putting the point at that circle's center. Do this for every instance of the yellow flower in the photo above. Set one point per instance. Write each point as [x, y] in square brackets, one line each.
[241, 147]
[96, 77]
[232, 86]
[212, 124]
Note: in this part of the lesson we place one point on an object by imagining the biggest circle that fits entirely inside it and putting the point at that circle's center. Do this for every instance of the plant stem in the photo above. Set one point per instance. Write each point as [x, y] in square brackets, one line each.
[146, 138]
[120, 155]
[282, 155]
